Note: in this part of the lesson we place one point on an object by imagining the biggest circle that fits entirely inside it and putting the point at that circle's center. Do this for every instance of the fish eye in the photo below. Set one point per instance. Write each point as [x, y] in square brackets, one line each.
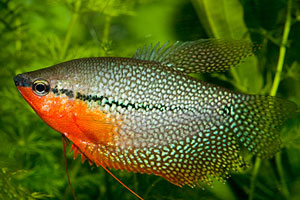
[40, 87]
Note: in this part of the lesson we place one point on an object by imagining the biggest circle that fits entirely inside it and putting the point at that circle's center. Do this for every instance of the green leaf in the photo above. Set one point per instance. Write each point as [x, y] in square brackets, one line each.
[224, 19]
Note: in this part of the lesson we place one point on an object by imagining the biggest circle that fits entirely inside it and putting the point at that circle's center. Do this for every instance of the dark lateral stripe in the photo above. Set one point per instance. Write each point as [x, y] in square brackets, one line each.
[100, 99]
[68, 93]
[104, 101]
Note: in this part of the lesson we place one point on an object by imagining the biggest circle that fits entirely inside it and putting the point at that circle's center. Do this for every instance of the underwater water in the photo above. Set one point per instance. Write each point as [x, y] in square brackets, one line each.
[36, 34]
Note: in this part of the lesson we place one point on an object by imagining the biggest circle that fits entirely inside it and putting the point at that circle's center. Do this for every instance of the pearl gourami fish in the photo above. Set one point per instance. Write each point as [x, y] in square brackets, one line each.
[145, 114]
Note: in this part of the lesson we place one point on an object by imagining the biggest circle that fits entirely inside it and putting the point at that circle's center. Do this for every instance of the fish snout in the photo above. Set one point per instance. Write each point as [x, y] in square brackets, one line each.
[18, 80]
[21, 81]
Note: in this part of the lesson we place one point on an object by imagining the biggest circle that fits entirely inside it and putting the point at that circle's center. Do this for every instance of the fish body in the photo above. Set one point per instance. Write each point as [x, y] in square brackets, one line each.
[145, 114]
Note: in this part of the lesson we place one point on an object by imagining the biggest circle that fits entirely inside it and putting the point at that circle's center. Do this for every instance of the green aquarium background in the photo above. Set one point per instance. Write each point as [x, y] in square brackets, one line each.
[39, 33]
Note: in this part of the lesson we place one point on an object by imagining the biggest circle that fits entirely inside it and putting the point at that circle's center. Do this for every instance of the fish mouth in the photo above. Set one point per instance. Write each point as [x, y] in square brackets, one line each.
[20, 80]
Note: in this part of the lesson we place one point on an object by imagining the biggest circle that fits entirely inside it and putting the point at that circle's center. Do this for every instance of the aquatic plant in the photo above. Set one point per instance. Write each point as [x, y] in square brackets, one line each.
[38, 33]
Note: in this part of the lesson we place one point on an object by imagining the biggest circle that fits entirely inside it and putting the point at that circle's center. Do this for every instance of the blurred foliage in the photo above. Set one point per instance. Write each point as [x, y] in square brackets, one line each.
[39, 33]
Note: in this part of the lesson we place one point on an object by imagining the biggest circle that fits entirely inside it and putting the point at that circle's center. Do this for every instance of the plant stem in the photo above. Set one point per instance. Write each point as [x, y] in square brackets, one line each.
[282, 50]
[284, 187]
[105, 35]
[273, 92]
[106, 29]
[70, 29]
[253, 177]
[274, 88]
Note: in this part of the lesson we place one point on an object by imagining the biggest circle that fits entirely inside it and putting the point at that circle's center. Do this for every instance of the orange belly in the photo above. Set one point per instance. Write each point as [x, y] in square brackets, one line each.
[74, 119]
[96, 135]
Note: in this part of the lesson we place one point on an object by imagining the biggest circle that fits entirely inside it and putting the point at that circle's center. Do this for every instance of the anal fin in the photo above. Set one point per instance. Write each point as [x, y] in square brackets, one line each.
[76, 151]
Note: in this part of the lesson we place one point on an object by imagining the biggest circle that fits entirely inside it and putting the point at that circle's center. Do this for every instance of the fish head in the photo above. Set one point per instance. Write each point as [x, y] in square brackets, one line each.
[39, 89]
[51, 92]
[36, 87]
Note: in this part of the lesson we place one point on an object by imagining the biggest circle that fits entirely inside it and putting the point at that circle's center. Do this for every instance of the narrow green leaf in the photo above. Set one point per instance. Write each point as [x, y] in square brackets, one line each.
[224, 19]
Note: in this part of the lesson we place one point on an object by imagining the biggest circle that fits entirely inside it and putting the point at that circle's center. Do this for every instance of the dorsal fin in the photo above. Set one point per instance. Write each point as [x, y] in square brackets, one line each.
[206, 55]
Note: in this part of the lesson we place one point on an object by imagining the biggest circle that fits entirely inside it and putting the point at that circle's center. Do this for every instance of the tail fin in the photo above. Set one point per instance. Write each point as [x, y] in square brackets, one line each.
[255, 121]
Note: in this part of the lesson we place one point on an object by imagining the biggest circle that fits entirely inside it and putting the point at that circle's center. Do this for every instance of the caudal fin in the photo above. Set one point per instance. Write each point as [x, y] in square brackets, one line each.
[255, 121]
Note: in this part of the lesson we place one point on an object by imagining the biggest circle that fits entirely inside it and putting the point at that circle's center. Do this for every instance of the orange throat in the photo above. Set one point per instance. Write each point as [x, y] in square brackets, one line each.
[73, 118]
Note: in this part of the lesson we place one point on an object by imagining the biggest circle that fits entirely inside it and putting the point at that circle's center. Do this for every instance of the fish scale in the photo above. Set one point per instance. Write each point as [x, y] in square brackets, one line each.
[145, 114]
[157, 129]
